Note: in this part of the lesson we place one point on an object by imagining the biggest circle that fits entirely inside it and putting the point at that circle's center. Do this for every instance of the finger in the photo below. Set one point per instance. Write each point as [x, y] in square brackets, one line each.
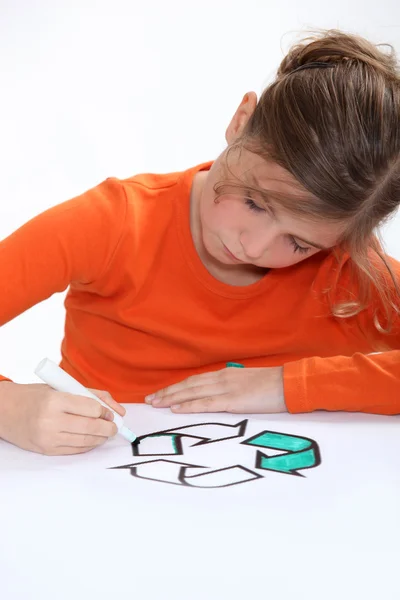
[212, 404]
[187, 395]
[87, 426]
[66, 450]
[108, 399]
[190, 382]
[86, 407]
[77, 440]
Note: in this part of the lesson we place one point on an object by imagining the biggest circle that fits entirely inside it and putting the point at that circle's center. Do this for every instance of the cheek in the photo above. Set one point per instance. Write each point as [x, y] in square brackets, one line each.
[226, 214]
[280, 259]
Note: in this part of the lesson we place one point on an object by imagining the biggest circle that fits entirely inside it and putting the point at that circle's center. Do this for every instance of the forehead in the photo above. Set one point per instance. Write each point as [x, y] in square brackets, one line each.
[271, 177]
[267, 173]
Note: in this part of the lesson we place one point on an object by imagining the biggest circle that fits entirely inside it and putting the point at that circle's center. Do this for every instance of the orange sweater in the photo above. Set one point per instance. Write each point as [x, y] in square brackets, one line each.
[142, 311]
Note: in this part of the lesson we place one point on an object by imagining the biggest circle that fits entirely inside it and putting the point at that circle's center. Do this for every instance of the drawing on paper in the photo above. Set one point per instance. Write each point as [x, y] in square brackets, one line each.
[266, 451]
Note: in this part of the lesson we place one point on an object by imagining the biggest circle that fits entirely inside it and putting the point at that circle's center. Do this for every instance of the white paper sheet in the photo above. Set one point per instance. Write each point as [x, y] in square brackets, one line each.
[208, 506]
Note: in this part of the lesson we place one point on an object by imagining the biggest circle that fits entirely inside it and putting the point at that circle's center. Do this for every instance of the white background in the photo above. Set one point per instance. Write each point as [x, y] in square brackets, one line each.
[95, 88]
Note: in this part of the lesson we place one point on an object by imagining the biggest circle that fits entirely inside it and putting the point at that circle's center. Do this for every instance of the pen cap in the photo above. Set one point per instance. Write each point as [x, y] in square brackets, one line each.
[57, 378]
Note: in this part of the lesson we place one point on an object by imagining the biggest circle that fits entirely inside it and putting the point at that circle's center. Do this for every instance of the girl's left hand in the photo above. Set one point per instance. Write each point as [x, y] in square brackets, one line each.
[234, 390]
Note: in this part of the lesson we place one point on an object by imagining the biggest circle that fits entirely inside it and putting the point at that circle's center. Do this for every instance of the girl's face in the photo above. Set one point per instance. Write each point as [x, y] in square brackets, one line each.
[241, 229]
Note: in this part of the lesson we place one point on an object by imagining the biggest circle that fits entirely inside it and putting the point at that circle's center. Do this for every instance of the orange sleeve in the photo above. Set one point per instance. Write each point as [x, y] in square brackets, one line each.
[71, 242]
[363, 383]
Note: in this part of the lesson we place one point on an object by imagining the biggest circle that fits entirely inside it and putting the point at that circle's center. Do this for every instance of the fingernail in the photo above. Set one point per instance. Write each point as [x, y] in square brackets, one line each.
[156, 401]
[176, 407]
[109, 416]
[148, 399]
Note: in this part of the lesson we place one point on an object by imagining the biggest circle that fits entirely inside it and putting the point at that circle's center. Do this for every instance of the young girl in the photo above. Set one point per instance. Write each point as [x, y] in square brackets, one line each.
[267, 257]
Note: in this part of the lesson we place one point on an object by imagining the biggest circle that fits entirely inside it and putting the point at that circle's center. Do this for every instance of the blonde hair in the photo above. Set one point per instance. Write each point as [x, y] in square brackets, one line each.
[331, 118]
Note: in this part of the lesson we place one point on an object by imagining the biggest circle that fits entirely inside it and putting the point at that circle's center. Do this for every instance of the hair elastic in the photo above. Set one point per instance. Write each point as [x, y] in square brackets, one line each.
[313, 65]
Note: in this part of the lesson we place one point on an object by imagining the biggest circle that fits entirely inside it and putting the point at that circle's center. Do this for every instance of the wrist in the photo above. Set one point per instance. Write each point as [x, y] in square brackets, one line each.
[280, 405]
[6, 401]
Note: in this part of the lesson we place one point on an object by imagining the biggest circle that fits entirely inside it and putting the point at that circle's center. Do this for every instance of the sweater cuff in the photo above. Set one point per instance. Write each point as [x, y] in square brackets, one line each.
[294, 385]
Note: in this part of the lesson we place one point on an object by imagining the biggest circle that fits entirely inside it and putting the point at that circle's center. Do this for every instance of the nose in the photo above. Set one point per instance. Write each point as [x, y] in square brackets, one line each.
[256, 244]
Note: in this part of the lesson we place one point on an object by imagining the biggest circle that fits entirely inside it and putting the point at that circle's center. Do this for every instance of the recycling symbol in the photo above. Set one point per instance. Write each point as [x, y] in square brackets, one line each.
[266, 451]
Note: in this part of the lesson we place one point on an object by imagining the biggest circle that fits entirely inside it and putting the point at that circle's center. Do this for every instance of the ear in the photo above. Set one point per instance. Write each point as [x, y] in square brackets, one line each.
[241, 117]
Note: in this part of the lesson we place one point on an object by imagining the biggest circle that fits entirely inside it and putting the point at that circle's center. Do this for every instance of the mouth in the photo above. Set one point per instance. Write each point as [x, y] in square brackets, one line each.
[232, 256]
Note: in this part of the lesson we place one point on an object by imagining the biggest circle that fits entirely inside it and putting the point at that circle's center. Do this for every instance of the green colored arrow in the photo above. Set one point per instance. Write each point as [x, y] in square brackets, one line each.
[301, 453]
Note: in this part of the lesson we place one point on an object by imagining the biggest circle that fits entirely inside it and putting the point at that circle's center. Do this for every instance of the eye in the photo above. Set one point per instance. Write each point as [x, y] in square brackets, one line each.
[296, 247]
[249, 201]
[251, 204]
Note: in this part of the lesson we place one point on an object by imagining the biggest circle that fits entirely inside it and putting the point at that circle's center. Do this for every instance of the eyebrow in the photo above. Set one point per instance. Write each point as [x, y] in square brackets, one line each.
[271, 208]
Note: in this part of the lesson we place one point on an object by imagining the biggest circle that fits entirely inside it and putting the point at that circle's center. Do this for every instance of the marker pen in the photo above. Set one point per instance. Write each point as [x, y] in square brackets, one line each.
[57, 378]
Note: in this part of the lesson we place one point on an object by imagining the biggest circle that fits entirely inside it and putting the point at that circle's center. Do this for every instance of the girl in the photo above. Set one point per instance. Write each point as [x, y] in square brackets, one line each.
[267, 256]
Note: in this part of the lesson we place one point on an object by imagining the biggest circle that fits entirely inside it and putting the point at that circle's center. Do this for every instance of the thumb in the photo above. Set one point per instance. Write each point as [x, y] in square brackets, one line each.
[109, 400]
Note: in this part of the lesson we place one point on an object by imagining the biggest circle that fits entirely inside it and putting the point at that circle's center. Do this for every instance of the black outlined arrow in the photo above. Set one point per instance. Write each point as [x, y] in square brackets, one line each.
[168, 471]
[201, 433]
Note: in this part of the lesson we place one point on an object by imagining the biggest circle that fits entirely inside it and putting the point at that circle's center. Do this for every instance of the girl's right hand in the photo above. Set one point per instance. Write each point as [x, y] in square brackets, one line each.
[36, 417]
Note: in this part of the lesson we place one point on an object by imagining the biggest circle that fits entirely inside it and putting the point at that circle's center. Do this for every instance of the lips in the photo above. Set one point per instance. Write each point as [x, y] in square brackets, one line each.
[232, 255]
